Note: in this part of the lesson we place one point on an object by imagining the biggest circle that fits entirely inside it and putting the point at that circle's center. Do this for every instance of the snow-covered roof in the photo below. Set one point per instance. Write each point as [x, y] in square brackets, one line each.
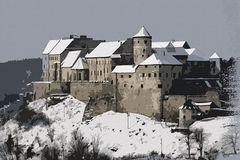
[51, 44]
[124, 69]
[105, 49]
[214, 55]
[161, 57]
[160, 44]
[142, 33]
[80, 64]
[196, 55]
[178, 43]
[61, 46]
[203, 103]
[70, 58]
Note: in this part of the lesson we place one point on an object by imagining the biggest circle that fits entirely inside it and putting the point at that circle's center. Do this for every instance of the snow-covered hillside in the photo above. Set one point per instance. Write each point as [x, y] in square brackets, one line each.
[64, 118]
[118, 134]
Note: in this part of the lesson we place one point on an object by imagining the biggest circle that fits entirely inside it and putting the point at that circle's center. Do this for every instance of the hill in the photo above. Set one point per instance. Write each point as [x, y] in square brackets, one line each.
[16, 75]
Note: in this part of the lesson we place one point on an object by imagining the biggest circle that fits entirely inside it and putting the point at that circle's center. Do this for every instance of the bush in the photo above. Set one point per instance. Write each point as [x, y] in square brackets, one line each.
[50, 153]
[80, 149]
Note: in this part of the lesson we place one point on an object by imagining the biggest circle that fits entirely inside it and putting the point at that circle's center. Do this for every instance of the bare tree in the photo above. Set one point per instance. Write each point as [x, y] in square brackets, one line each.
[188, 141]
[199, 138]
[231, 138]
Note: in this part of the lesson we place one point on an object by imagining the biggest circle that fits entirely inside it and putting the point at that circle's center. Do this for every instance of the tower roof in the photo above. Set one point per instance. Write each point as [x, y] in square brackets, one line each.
[214, 55]
[142, 33]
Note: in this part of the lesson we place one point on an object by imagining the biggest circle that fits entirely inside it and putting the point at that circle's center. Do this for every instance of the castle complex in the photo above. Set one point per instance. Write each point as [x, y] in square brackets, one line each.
[132, 75]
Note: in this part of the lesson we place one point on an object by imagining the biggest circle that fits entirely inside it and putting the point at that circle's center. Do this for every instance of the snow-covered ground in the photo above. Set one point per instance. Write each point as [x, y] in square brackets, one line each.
[118, 134]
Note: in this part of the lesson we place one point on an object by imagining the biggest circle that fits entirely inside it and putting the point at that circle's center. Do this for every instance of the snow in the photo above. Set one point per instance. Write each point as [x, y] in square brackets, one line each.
[214, 55]
[142, 33]
[124, 69]
[214, 129]
[105, 49]
[80, 64]
[64, 118]
[203, 103]
[70, 58]
[178, 43]
[51, 44]
[130, 134]
[160, 44]
[161, 57]
[61, 46]
[119, 134]
[42, 82]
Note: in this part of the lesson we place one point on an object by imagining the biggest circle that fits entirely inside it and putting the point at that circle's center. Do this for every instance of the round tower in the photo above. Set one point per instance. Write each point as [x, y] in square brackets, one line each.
[142, 46]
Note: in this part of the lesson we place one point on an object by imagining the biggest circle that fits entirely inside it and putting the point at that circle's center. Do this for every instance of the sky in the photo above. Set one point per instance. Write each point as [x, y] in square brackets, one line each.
[209, 25]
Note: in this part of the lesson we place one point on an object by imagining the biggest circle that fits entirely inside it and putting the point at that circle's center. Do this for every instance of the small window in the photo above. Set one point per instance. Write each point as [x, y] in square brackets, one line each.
[160, 74]
[100, 73]
[143, 74]
[125, 85]
[144, 50]
[141, 85]
[130, 76]
[145, 41]
[146, 66]
[166, 75]
[131, 86]
[142, 55]
[149, 74]
[184, 117]
[121, 76]
[159, 85]
[137, 41]
[155, 74]
[174, 75]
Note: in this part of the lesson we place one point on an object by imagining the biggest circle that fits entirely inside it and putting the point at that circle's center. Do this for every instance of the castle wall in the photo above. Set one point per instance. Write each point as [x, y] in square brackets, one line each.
[44, 88]
[99, 96]
[140, 92]
[100, 69]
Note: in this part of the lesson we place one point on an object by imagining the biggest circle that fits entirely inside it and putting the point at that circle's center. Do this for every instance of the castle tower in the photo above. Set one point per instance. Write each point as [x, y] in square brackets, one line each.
[142, 46]
[215, 63]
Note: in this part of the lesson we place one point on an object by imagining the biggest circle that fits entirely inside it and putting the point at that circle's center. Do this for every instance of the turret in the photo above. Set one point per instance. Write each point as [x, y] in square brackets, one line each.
[142, 46]
[215, 64]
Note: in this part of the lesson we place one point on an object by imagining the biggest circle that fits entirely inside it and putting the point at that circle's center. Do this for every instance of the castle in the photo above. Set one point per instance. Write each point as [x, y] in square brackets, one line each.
[132, 75]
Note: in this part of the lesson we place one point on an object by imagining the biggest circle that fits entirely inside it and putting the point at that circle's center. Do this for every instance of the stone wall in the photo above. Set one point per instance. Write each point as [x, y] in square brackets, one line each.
[98, 96]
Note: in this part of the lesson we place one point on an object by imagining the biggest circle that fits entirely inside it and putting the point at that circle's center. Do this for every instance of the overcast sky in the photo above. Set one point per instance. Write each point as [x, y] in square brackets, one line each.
[209, 25]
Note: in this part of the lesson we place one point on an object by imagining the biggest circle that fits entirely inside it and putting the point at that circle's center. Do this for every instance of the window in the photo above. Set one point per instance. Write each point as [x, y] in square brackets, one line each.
[146, 66]
[159, 85]
[160, 74]
[155, 74]
[96, 62]
[131, 86]
[166, 75]
[145, 41]
[141, 85]
[149, 74]
[142, 55]
[174, 75]
[79, 76]
[100, 73]
[121, 76]
[144, 50]
[137, 41]
[91, 73]
[125, 85]
[143, 74]
[130, 76]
